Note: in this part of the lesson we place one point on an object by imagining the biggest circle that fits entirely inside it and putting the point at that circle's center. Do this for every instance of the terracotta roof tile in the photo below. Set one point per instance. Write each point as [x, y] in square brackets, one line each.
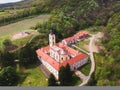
[74, 60]
[56, 64]
[48, 59]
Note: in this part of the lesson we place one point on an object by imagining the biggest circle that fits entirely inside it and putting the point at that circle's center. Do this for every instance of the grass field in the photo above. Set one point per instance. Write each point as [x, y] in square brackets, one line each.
[2, 39]
[11, 29]
[22, 25]
[4, 14]
[83, 44]
[35, 76]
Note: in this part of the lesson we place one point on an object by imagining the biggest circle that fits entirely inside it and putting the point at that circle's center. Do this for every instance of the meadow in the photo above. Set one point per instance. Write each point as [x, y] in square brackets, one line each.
[9, 30]
[33, 76]
[22, 25]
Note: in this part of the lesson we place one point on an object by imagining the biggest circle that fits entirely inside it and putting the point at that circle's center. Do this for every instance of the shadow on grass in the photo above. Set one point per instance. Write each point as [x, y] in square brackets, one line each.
[31, 66]
[22, 77]
[75, 81]
[85, 68]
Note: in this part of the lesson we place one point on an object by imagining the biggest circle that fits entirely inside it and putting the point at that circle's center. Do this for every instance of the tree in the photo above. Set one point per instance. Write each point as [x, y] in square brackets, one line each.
[6, 59]
[65, 75]
[7, 42]
[52, 80]
[69, 73]
[27, 55]
[62, 76]
[8, 77]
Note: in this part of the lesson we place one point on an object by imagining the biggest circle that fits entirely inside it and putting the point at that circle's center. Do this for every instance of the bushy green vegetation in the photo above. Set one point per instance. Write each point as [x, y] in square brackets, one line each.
[67, 77]
[8, 77]
[52, 81]
[104, 73]
[6, 59]
[107, 62]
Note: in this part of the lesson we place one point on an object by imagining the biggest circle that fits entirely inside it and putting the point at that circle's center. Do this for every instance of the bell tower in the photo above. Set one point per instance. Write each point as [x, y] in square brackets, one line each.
[52, 39]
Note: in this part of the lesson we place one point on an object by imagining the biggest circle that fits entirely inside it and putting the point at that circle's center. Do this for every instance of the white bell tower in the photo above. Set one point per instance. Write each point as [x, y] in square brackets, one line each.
[52, 39]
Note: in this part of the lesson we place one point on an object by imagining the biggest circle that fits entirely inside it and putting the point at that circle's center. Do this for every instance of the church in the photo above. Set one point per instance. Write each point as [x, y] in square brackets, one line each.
[60, 54]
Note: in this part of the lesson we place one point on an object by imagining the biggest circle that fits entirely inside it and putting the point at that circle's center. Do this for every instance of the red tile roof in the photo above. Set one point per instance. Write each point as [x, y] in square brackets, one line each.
[81, 33]
[46, 49]
[74, 60]
[68, 49]
[42, 53]
[56, 64]
[69, 39]
[48, 59]
[71, 50]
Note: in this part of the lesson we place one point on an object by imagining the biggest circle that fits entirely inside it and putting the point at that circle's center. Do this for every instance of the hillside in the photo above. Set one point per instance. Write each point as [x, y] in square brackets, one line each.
[71, 16]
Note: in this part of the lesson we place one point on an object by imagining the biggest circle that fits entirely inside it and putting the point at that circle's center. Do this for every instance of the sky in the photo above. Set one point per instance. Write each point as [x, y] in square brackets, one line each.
[8, 1]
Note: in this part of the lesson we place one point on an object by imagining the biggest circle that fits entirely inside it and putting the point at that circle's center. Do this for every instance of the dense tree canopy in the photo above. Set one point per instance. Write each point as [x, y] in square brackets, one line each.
[52, 81]
[8, 77]
[27, 55]
[6, 59]
[65, 76]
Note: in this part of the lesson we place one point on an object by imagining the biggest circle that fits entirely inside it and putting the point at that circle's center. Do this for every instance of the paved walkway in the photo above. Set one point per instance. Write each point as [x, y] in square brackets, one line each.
[84, 78]
[81, 75]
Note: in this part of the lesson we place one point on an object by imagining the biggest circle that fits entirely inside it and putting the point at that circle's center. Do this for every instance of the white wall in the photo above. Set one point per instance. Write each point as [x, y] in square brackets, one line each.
[79, 64]
[50, 68]
[56, 73]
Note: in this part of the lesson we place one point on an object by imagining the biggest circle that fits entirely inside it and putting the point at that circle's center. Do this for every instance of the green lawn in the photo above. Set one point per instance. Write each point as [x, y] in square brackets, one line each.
[35, 76]
[82, 44]
[85, 69]
[2, 39]
[22, 25]
[21, 41]
[11, 29]
[18, 42]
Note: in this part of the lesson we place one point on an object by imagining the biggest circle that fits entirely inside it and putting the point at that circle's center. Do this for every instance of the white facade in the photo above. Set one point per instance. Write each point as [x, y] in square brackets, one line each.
[72, 67]
[49, 67]
[59, 54]
[70, 42]
[79, 64]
